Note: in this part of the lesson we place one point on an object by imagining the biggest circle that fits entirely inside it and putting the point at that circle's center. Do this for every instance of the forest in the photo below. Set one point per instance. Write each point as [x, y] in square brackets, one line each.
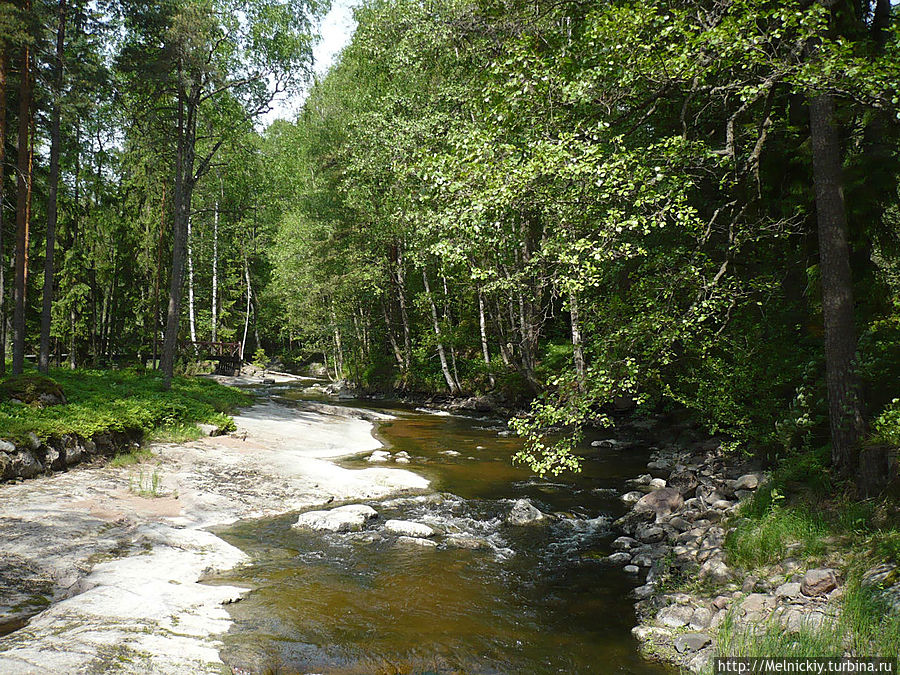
[578, 208]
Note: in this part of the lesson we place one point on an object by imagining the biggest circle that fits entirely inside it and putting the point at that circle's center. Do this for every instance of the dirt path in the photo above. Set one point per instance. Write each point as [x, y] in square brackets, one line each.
[117, 573]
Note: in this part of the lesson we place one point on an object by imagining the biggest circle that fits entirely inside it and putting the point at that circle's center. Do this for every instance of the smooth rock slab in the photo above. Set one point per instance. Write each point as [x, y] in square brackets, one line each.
[409, 528]
[350, 518]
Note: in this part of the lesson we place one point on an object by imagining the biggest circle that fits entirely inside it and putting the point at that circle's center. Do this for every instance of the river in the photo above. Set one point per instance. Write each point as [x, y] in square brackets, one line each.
[529, 599]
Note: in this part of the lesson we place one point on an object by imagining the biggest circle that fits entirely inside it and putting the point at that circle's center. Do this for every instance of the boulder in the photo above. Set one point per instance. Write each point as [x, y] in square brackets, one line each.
[465, 541]
[379, 456]
[73, 454]
[680, 524]
[408, 528]
[209, 429]
[650, 534]
[715, 570]
[749, 481]
[620, 558]
[683, 481]
[523, 512]
[350, 518]
[818, 582]
[688, 643]
[675, 616]
[701, 619]
[661, 503]
[657, 483]
[5, 466]
[7, 447]
[790, 591]
[416, 540]
[624, 543]
[25, 464]
[631, 497]
[642, 592]
[631, 569]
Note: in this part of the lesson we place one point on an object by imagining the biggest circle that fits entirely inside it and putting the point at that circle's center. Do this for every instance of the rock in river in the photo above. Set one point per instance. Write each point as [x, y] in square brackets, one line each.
[524, 512]
[408, 528]
[348, 518]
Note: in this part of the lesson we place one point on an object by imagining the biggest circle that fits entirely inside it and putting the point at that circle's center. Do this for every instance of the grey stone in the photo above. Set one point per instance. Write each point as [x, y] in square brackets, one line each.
[650, 534]
[624, 543]
[818, 582]
[5, 466]
[683, 481]
[409, 528]
[524, 512]
[675, 616]
[209, 429]
[33, 441]
[7, 447]
[416, 540]
[715, 570]
[661, 502]
[722, 504]
[631, 569]
[631, 497]
[73, 454]
[379, 456]
[788, 591]
[748, 481]
[464, 541]
[701, 619]
[721, 602]
[642, 592]
[657, 483]
[350, 518]
[757, 602]
[25, 464]
[691, 642]
[680, 524]
[620, 558]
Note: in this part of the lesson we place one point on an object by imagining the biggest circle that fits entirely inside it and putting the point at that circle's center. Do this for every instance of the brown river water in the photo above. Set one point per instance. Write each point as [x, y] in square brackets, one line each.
[532, 600]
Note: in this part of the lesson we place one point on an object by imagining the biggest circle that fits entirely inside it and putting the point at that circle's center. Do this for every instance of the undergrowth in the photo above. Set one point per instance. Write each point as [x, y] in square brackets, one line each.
[117, 400]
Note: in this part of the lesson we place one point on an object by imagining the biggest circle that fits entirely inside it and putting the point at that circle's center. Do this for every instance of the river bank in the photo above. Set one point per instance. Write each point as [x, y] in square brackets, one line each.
[115, 556]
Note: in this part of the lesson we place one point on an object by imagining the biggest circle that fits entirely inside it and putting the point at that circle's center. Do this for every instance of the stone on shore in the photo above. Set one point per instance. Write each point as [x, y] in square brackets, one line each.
[818, 582]
[662, 502]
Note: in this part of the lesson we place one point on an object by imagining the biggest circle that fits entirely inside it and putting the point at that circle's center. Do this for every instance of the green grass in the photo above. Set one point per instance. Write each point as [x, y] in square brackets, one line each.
[765, 539]
[146, 484]
[131, 458]
[770, 639]
[175, 433]
[106, 400]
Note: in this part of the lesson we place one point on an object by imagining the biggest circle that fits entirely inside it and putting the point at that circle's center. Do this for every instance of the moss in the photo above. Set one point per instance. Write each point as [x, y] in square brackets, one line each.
[31, 389]
[113, 401]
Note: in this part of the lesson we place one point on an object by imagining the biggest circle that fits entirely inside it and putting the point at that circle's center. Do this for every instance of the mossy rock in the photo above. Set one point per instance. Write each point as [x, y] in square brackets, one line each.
[37, 390]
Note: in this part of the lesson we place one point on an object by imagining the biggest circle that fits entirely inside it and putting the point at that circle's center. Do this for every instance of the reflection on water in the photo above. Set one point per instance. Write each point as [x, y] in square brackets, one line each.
[490, 598]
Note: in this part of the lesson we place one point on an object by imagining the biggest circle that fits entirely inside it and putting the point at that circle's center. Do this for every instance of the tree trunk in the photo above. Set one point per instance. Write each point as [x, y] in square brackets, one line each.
[47, 306]
[3, 71]
[215, 268]
[190, 264]
[401, 300]
[154, 324]
[184, 183]
[398, 355]
[24, 181]
[485, 351]
[837, 288]
[247, 312]
[338, 345]
[577, 347]
[451, 383]
[449, 317]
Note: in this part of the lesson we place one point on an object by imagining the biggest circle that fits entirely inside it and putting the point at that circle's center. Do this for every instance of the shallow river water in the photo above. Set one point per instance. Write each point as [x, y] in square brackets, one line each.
[530, 600]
